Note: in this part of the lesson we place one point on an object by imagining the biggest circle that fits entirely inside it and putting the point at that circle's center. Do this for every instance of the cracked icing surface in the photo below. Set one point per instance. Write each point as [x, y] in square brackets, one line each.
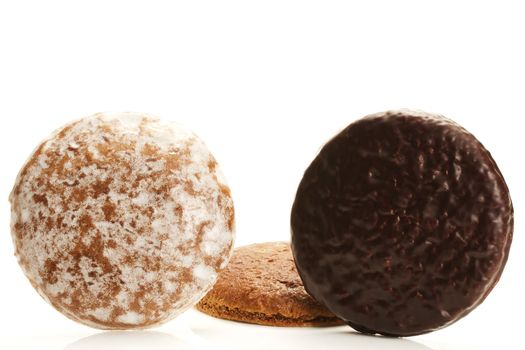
[121, 220]
[402, 224]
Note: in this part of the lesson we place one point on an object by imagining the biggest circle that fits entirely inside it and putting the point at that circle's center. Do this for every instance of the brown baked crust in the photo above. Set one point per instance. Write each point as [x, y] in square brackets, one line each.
[261, 285]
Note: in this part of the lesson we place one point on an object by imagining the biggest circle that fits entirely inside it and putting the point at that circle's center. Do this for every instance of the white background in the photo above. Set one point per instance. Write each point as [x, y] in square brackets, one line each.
[265, 84]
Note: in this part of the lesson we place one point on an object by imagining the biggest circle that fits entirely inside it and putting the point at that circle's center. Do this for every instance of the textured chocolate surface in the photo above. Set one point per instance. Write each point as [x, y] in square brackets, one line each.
[402, 224]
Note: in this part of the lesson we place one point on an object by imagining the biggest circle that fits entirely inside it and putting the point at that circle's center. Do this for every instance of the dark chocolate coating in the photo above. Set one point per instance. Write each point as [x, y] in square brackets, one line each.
[402, 224]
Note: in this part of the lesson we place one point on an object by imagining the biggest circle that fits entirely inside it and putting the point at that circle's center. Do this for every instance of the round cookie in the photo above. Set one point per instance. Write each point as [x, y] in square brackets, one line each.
[121, 220]
[260, 285]
[402, 224]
